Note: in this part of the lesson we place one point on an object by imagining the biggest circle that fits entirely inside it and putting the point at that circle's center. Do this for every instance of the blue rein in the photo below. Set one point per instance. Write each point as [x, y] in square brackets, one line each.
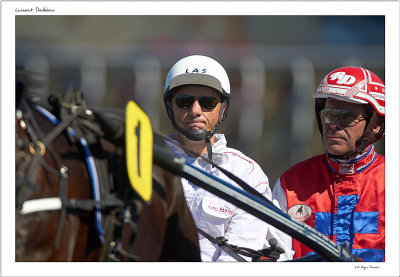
[90, 166]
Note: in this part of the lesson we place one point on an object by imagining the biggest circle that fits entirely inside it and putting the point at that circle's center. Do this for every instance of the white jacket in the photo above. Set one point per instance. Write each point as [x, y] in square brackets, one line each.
[218, 217]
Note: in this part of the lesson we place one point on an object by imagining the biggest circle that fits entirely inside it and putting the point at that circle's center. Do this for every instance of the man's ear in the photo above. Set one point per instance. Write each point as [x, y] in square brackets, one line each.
[380, 127]
[377, 129]
[224, 106]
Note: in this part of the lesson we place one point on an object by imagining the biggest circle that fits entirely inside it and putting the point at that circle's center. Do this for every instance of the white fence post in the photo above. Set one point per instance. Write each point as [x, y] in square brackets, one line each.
[251, 113]
[148, 90]
[303, 117]
[93, 80]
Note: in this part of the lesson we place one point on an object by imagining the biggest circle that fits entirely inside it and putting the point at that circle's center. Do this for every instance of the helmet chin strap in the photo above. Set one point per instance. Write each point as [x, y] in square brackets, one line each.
[198, 135]
[362, 144]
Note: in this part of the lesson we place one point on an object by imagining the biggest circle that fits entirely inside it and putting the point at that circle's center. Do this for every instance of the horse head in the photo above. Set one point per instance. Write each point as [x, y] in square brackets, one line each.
[73, 198]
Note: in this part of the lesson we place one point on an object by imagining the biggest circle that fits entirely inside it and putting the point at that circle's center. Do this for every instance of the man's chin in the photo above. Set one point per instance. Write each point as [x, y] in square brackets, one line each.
[337, 151]
[194, 127]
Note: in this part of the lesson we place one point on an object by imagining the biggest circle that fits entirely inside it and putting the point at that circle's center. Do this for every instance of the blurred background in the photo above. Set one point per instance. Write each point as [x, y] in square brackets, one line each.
[274, 63]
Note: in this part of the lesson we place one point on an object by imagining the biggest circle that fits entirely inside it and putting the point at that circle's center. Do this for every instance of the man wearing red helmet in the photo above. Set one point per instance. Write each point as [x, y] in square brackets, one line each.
[342, 193]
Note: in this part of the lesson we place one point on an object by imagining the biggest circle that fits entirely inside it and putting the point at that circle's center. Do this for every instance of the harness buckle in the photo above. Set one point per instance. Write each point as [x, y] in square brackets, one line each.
[37, 146]
[63, 171]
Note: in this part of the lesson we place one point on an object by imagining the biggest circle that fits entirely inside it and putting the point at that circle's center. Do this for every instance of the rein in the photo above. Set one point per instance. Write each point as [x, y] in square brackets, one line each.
[231, 250]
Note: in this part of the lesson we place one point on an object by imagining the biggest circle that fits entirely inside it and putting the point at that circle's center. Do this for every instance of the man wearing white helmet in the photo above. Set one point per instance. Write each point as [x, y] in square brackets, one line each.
[342, 192]
[196, 97]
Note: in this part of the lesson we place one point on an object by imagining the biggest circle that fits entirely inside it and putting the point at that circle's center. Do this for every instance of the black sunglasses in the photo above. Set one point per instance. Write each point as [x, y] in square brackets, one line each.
[185, 101]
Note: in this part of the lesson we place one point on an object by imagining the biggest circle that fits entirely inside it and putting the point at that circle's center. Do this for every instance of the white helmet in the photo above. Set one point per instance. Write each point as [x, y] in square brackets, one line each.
[197, 70]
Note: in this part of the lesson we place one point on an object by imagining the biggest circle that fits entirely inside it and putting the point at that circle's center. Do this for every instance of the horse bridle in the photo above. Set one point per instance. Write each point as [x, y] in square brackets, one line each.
[39, 145]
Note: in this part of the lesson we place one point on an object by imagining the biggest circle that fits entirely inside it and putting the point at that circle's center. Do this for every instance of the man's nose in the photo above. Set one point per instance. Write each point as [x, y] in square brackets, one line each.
[195, 109]
[336, 123]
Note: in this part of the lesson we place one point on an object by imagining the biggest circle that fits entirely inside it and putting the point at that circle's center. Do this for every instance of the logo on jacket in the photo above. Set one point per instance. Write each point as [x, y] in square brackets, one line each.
[346, 168]
[300, 212]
